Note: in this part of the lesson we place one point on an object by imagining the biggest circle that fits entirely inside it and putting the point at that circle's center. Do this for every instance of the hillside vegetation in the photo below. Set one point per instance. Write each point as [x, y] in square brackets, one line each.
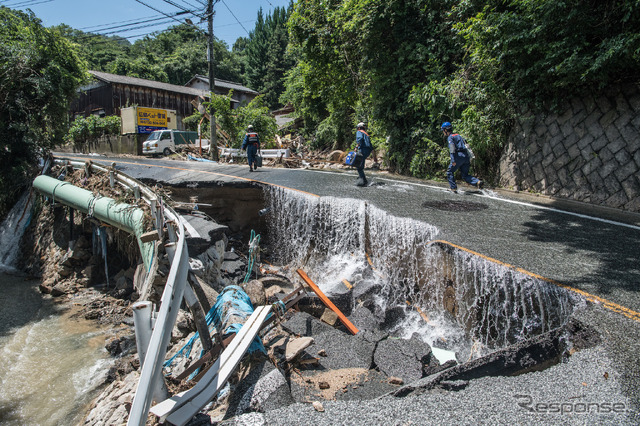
[403, 67]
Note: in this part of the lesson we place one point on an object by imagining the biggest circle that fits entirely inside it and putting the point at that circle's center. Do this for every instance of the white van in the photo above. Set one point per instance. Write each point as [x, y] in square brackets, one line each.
[166, 141]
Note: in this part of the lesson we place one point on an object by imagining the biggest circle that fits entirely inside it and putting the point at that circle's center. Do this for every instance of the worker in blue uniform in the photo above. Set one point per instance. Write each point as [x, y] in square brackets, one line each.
[364, 147]
[251, 143]
[460, 158]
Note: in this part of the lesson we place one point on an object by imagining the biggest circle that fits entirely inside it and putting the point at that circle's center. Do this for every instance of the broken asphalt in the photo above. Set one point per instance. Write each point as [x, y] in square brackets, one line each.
[593, 250]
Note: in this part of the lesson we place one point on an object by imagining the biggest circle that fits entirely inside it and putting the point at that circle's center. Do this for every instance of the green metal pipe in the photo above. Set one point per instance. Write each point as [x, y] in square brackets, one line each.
[121, 215]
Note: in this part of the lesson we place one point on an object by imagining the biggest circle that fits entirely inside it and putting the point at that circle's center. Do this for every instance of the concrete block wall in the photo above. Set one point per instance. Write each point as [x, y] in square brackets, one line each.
[589, 151]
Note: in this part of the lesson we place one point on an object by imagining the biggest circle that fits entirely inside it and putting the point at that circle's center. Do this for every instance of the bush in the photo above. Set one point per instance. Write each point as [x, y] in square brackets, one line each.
[85, 132]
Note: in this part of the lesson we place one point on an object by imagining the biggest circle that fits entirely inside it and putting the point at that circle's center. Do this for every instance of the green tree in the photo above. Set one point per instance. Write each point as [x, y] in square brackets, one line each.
[97, 50]
[40, 72]
[266, 55]
[234, 122]
[85, 132]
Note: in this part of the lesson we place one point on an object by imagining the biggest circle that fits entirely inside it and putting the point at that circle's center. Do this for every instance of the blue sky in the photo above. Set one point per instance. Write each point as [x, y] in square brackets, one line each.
[233, 18]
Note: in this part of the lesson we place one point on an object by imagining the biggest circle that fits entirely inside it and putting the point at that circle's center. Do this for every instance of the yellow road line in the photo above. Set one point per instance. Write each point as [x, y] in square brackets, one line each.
[347, 283]
[631, 314]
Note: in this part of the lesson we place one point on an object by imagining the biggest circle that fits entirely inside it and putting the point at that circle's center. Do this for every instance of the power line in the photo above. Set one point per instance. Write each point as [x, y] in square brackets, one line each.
[167, 15]
[123, 26]
[238, 21]
[120, 22]
[174, 4]
[27, 3]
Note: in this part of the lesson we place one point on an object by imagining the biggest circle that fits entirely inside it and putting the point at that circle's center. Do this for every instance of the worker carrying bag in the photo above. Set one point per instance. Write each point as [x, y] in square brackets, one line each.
[353, 159]
[258, 160]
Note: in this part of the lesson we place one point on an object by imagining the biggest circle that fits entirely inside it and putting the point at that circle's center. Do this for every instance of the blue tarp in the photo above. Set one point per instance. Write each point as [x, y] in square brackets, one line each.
[233, 301]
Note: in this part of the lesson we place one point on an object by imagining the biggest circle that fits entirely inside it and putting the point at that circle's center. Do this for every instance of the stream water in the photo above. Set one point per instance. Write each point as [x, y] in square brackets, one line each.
[50, 363]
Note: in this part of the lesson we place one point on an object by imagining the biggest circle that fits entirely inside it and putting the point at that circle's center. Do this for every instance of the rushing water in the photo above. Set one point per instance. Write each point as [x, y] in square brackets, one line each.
[49, 362]
[471, 305]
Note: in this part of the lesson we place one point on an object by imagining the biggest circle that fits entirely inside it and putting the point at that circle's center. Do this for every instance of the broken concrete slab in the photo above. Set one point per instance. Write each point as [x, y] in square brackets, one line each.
[368, 325]
[343, 350]
[365, 291]
[265, 388]
[402, 358]
[296, 346]
[534, 354]
[209, 232]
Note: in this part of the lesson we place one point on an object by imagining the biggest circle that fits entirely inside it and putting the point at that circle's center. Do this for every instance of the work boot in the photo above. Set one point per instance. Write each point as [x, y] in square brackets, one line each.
[455, 191]
[250, 169]
[480, 184]
[362, 182]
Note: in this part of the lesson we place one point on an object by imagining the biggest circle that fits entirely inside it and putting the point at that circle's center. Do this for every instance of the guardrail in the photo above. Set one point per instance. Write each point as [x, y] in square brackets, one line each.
[266, 153]
[151, 368]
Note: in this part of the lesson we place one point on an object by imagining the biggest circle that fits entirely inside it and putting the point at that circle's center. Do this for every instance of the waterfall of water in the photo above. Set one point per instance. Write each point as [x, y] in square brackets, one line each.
[463, 295]
[11, 231]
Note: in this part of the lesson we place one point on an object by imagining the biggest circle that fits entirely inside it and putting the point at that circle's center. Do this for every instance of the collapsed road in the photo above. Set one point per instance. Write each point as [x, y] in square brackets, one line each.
[573, 259]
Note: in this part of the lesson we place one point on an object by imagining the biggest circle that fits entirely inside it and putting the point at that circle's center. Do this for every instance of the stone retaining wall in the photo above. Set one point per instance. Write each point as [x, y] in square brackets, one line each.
[589, 151]
[122, 144]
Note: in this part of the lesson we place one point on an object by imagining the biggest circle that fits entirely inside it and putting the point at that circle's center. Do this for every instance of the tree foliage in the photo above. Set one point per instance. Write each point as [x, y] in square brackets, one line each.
[171, 56]
[408, 66]
[85, 132]
[234, 122]
[40, 72]
[267, 59]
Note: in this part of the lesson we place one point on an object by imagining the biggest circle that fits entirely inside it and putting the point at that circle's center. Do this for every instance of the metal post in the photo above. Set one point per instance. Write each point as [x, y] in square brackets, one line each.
[142, 324]
[171, 231]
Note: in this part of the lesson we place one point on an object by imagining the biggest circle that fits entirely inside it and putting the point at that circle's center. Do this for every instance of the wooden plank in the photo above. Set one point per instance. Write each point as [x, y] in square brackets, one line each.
[328, 303]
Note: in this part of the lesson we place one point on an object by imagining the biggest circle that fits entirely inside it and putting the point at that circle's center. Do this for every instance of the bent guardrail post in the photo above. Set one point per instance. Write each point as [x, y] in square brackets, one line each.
[151, 371]
[199, 316]
[121, 215]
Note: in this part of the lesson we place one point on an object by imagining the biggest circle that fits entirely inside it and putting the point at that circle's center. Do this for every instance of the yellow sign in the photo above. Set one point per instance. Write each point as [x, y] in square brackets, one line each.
[152, 117]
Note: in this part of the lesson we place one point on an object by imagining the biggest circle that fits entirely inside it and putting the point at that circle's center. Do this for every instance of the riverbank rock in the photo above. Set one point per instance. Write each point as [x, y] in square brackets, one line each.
[113, 405]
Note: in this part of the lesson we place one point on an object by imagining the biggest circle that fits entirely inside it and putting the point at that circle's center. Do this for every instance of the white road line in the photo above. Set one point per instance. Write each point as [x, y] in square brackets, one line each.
[522, 203]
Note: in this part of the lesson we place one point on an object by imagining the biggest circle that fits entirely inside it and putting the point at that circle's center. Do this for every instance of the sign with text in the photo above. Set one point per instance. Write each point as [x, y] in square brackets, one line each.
[152, 117]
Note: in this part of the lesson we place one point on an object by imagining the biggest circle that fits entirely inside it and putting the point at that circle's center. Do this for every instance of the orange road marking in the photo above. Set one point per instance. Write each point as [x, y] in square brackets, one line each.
[631, 314]
[207, 172]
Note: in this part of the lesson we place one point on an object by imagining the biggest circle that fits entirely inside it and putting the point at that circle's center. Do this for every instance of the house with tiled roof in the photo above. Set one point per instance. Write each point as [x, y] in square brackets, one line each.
[241, 95]
[108, 93]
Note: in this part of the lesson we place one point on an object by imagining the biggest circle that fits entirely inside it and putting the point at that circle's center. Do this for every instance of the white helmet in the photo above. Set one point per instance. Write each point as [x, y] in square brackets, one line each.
[360, 125]
[249, 127]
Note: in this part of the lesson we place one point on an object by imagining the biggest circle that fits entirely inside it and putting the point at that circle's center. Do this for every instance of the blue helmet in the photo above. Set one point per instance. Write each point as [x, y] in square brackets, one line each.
[446, 125]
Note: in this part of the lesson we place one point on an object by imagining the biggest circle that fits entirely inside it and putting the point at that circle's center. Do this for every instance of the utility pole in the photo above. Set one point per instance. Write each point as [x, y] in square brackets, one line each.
[213, 143]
